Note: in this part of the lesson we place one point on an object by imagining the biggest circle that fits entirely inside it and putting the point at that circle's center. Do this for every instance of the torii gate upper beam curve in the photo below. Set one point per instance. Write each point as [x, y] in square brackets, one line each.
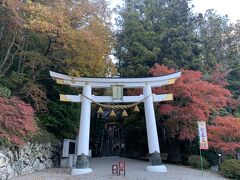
[108, 82]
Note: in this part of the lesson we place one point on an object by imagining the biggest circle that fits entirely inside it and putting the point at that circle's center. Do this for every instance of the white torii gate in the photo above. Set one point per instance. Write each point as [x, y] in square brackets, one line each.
[147, 84]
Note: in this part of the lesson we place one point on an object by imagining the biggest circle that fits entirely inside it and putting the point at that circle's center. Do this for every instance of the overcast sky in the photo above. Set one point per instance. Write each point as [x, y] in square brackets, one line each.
[229, 7]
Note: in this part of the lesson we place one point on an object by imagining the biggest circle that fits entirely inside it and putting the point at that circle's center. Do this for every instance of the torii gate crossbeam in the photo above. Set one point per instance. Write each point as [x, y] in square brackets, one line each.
[146, 84]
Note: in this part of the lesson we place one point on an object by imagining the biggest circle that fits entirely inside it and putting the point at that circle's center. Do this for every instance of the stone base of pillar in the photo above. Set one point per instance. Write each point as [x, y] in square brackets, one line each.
[82, 165]
[155, 159]
[76, 171]
[156, 163]
[82, 161]
[160, 168]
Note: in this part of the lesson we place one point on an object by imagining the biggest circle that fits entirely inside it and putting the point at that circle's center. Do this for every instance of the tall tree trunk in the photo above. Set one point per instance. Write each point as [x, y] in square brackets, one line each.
[1, 32]
[22, 59]
[6, 57]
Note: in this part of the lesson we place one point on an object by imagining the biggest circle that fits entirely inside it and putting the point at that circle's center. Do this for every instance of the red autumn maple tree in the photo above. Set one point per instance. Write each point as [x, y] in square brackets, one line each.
[194, 100]
[16, 120]
[224, 133]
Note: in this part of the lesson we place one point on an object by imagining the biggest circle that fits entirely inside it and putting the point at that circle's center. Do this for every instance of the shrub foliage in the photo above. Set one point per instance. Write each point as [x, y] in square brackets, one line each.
[16, 120]
[195, 162]
[231, 168]
[4, 91]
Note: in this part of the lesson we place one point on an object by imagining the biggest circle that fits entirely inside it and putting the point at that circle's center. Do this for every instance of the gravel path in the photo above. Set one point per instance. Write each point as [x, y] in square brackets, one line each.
[135, 170]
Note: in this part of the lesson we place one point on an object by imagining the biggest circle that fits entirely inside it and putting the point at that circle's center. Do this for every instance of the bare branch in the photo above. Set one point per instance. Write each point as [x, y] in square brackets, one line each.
[8, 52]
[49, 46]
[11, 62]
[1, 32]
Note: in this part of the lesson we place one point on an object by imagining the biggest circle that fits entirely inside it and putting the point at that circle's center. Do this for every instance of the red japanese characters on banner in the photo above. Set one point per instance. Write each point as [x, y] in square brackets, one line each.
[202, 130]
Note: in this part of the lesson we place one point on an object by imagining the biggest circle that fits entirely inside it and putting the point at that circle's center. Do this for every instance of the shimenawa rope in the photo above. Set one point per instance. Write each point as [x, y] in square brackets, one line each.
[113, 107]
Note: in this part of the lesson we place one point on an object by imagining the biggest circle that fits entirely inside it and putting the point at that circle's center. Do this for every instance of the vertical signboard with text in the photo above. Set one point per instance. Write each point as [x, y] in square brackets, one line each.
[202, 131]
[117, 92]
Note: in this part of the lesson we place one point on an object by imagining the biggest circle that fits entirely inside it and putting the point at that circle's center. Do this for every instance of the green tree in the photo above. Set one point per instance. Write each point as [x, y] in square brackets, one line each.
[234, 75]
[216, 40]
[156, 32]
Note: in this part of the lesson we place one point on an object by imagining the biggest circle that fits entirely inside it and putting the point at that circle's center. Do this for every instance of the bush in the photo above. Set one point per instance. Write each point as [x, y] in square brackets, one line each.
[4, 91]
[43, 137]
[16, 120]
[195, 162]
[231, 168]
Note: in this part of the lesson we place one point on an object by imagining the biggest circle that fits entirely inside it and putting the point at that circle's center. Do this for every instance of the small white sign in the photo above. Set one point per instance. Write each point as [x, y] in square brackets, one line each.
[117, 92]
[202, 131]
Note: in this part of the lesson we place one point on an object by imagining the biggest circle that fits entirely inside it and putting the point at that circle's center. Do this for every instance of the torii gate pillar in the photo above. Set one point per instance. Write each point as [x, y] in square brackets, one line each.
[82, 165]
[153, 144]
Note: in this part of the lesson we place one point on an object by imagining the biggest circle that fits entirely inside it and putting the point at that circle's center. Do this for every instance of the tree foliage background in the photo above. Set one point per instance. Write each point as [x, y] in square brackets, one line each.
[70, 37]
[205, 47]
[153, 37]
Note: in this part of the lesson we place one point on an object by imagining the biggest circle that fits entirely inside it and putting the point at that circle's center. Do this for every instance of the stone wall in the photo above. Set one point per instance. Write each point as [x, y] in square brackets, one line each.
[28, 159]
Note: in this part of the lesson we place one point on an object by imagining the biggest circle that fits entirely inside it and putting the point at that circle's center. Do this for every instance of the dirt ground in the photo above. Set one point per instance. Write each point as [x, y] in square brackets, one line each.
[135, 170]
